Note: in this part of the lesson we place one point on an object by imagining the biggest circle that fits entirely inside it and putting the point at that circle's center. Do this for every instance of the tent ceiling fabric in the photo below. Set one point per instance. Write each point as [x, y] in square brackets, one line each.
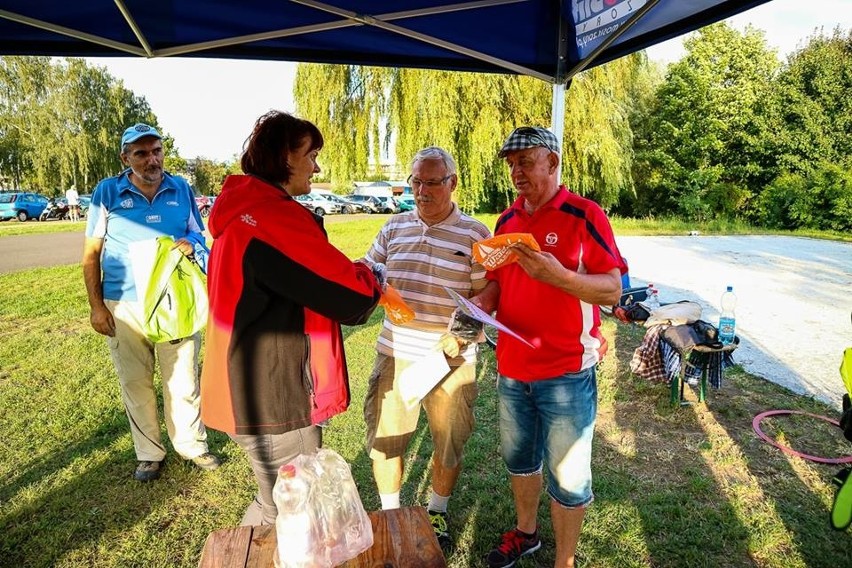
[548, 39]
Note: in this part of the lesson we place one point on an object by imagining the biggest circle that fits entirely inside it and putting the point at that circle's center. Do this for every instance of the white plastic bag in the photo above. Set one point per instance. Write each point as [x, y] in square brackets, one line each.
[342, 525]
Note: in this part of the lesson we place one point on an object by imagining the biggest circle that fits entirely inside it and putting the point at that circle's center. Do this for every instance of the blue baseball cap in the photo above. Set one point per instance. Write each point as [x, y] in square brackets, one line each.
[137, 131]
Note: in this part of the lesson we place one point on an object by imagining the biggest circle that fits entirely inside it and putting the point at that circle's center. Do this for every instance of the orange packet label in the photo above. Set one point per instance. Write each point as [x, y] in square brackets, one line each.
[395, 307]
[494, 252]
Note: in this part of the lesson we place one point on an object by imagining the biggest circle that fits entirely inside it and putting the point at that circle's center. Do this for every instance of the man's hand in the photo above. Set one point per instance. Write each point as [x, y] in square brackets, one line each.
[450, 345]
[541, 266]
[185, 247]
[487, 299]
[102, 321]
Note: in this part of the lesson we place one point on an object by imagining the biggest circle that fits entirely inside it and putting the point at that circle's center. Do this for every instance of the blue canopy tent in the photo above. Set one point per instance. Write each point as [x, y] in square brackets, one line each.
[552, 40]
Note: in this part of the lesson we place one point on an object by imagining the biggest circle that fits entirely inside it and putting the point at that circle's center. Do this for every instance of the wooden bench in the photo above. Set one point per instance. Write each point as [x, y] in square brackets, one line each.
[402, 538]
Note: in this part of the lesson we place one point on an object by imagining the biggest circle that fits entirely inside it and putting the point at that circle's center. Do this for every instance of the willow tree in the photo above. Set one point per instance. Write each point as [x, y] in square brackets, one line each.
[347, 104]
[469, 114]
[60, 122]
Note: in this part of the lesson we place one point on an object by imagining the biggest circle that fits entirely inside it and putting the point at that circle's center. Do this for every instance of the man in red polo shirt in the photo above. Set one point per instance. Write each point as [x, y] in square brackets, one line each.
[548, 394]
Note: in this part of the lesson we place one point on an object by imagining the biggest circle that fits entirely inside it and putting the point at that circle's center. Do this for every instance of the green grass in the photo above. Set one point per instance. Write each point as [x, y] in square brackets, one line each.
[689, 486]
[31, 227]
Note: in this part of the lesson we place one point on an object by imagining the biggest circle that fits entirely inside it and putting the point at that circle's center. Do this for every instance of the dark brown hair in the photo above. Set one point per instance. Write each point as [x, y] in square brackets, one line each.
[275, 134]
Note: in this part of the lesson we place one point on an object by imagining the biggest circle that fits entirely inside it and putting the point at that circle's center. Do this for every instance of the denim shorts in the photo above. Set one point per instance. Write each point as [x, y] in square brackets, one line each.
[551, 420]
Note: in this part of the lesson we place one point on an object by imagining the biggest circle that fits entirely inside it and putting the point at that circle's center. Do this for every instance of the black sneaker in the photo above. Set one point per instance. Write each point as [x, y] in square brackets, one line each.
[439, 525]
[513, 545]
[147, 471]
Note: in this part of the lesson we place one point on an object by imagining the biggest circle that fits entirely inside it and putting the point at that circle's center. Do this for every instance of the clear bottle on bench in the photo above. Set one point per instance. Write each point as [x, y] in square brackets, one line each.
[727, 320]
[294, 526]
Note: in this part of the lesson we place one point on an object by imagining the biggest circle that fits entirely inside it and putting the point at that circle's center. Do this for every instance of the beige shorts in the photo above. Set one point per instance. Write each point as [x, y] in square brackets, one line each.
[448, 406]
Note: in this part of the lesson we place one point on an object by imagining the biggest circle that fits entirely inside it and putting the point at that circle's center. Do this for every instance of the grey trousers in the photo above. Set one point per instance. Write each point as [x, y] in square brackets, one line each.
[266, 453]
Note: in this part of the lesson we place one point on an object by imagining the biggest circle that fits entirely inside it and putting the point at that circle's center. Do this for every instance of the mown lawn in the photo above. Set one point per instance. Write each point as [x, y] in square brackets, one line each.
[690, 486]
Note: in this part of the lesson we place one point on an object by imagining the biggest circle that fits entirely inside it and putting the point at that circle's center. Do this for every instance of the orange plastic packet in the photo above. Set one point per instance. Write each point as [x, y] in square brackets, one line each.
[395, 307]
[496, 251]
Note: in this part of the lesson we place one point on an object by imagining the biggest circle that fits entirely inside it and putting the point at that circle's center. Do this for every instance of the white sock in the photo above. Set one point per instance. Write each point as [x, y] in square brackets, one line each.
[438, 503]
[389, 500]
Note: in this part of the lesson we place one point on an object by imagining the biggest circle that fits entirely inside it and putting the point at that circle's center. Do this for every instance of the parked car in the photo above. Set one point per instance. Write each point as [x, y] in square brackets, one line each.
[370, 201]
[346, 205]
[388, 205]
[22, 205]
[318, 204]
[405, 202]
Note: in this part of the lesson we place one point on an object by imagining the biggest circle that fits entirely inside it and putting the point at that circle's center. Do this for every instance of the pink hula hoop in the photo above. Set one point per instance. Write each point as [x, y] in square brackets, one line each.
[756, 425]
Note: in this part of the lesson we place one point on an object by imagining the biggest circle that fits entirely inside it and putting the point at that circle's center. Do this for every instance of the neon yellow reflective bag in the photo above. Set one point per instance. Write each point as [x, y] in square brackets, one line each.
[176, 299]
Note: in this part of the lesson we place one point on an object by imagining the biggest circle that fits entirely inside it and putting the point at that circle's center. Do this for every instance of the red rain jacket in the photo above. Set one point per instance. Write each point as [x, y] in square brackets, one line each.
[278, 291]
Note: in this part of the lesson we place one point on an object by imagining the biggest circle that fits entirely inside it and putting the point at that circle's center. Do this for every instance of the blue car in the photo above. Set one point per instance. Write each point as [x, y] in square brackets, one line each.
[21, 205]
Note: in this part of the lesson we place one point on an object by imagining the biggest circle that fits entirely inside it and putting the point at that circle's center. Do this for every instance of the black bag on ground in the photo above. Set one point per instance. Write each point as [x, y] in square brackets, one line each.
[846, 418]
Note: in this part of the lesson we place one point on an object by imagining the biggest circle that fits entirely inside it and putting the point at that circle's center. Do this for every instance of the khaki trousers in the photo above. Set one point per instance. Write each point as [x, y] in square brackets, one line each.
[134, 355]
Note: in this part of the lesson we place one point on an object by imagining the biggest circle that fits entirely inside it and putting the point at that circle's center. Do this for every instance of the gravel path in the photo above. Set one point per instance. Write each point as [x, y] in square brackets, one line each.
[794, 299]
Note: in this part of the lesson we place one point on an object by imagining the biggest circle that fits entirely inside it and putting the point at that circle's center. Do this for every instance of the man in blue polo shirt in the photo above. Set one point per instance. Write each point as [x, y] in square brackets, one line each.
[142, 203]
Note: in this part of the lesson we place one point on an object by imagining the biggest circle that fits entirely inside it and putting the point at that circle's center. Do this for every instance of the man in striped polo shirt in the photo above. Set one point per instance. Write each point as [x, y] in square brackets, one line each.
[425, 250]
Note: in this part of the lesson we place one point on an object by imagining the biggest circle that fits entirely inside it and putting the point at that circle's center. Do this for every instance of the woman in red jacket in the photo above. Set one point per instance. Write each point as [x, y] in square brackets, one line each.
[274, 366]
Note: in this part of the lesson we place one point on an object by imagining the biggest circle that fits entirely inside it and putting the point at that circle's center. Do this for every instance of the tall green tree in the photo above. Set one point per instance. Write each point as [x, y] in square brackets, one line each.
[24, 83]
[60, 122]
[346, 103]
[813, 104]
[208, 175]
[365, 112]
[701, 147]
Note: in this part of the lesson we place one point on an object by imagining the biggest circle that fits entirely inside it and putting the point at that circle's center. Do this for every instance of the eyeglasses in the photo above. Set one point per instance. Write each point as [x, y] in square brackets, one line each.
[416, 183]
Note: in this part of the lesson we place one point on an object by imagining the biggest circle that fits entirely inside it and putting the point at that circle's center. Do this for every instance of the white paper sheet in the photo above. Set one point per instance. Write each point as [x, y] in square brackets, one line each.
[420, 377]
[473, 311]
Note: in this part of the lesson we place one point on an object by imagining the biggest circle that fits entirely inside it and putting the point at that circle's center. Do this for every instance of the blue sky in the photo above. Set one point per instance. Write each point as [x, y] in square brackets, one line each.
[209, 105]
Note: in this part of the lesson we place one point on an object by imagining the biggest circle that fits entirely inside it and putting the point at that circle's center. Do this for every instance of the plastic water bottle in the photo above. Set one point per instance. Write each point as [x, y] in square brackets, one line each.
[652, 298]
[727, 320]
[294, 526]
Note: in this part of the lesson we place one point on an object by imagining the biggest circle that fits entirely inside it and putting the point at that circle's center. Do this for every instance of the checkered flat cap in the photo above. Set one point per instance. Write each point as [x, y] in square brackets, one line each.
[529, 137]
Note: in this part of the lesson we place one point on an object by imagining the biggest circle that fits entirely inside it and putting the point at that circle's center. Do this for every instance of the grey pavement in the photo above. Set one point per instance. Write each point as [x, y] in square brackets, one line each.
[21, 252]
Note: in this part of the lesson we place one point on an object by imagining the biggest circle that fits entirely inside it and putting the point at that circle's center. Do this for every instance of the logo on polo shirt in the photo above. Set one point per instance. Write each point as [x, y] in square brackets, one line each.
[248, 220]
[550, 239]
[173, 203]
[152, 218]
[127, 203]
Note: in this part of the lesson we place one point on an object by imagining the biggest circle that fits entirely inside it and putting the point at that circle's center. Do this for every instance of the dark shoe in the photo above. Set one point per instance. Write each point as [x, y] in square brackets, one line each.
[206, 461]
[440, 526]
[513, 545]
[147, 471]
